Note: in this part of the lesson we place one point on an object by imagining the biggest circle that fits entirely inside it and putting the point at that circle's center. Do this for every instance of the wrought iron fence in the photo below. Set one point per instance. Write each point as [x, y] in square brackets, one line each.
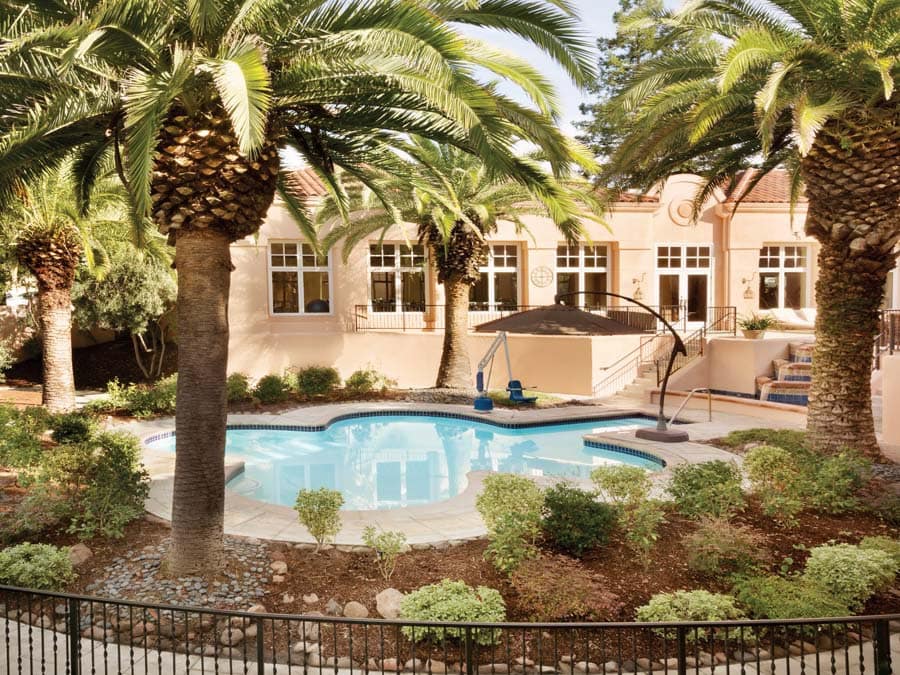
[74, 635]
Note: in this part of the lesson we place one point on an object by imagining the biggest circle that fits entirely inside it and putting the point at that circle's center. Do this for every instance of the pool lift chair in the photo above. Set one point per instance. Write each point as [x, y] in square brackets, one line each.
[483, 402]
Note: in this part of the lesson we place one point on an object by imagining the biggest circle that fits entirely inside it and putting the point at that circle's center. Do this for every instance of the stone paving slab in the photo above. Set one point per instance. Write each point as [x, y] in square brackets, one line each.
[451, 520]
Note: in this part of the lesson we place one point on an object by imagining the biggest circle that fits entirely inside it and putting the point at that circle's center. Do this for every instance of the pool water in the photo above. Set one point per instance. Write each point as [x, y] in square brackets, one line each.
[384, 462]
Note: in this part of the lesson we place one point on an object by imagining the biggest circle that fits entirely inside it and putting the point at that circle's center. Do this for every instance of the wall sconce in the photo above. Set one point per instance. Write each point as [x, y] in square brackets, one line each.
[748, 288]
[637, 293]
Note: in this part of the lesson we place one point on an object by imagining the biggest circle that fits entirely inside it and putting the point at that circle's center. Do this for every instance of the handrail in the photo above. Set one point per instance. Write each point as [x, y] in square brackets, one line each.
[688, 398]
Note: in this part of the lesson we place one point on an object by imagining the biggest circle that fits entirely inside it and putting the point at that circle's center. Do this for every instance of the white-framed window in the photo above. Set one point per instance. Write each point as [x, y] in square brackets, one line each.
[783, 277]
[299, 279]
[498, 285]
[397, 277]
[582, 267]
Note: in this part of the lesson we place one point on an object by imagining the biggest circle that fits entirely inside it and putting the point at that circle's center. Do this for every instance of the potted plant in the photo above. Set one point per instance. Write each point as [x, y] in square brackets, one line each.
[754, 327]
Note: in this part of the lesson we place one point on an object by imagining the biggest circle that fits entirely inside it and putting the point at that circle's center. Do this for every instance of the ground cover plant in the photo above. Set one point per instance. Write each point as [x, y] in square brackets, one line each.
[452, 601]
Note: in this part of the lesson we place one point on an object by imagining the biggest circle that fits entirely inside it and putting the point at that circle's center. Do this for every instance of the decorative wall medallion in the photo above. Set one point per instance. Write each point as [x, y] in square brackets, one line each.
[542, 276]
[680, 212]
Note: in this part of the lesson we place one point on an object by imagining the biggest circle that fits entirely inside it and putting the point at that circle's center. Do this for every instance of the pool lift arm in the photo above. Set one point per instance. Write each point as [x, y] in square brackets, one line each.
[488, 359]
[483, 402]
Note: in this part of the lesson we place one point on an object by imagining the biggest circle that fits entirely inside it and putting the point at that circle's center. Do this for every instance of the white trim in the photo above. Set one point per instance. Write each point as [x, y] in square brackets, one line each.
[397, 270]
[299, 269]
[781, 270]
[581, 269]
[683, 272]
[490, 269]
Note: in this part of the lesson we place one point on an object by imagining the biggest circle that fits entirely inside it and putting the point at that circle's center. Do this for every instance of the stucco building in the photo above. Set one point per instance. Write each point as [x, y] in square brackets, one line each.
[380, 304]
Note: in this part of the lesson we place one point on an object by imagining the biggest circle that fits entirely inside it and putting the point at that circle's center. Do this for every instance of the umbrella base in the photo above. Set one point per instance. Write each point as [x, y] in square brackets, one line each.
[663, 436]
[483, 404]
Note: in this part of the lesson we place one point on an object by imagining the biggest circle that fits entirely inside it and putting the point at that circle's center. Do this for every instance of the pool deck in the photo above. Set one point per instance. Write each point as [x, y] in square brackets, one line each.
[441, 523]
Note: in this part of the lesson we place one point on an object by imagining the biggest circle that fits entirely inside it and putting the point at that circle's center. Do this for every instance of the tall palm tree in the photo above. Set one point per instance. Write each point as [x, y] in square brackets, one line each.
[53, 237]
[195, 99]
[455, 202]
[809, 86]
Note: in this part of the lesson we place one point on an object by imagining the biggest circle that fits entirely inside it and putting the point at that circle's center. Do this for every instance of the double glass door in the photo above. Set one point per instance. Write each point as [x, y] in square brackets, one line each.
[684, 282]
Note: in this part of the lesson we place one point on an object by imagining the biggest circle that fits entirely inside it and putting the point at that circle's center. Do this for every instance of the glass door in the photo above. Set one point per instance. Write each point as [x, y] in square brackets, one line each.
[684, 286]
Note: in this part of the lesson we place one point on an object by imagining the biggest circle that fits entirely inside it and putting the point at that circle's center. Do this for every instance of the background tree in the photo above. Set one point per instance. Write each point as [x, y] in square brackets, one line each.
[135, 296]
[52, 238]
[638, 39]
[455, 203]
[196, 98]
[810, 86]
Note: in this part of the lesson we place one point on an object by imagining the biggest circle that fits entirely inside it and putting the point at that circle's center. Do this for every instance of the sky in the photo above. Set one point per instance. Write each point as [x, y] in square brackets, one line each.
[596, 16]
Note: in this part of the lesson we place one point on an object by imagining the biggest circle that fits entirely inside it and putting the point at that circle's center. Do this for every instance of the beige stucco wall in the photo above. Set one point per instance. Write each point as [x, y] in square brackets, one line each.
[560, 364]
[732, 364]
[890, 383]
[262, 342]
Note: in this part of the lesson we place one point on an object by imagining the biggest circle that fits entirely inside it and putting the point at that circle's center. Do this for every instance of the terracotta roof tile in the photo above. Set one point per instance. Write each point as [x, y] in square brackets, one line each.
[305, 184]
[773, 188]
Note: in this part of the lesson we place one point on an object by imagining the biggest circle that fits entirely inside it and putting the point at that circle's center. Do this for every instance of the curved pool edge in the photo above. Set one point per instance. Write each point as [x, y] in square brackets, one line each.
[439, 524]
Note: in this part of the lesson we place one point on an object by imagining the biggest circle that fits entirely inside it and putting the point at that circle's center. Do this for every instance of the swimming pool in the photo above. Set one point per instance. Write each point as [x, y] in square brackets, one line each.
[390, 461]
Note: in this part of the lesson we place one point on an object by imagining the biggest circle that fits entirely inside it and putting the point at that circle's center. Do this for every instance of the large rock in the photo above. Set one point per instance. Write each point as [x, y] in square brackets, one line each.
[79, 554]
[388, 603]
[355, 610]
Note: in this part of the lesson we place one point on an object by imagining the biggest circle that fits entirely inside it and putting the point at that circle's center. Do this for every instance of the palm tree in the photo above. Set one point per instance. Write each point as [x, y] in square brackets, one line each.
[455, 202]
[53, 238]
[809, 86]
[195, 100]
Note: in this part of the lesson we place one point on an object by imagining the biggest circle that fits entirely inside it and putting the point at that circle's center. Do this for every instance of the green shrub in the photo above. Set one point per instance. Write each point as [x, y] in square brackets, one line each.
[510, 543]
[72, 427]
[689, 606]
[101, 482]
[787, 439]
[778, 480]
[628, 488]
[621, 484]
[885, 505]
[707, 489]
[237, 387]
[6, 359]
[317, 380]
[39, 566]
[139, 400]
[773, 597]
[511, 509]
[367, 380]
[558, 588]
[718, 546]
[320, 512]
[43, 509]
[886, 544]
[271, 389]
[574, 520]
[851, 573]
[835, 481]
[20, 436]
[387, 546]
[506, 493]
[453, 601]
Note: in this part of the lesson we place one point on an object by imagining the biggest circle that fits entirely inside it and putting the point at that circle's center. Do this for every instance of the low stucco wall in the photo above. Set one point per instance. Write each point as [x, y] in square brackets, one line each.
[560, 364]
[732, 364]
[890, 386]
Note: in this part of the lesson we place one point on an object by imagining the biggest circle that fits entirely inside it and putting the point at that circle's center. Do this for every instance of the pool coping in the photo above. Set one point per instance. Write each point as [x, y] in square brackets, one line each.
[440, 524]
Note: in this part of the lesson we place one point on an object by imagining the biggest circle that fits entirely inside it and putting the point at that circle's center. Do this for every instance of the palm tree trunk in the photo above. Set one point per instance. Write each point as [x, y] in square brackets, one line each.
[203, 262]
[455, 371]
[852, 177]
[55, 309]
[849, 292]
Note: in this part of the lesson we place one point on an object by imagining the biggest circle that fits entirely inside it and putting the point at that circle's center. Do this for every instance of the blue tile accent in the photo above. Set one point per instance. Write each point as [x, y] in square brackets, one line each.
[624, 450]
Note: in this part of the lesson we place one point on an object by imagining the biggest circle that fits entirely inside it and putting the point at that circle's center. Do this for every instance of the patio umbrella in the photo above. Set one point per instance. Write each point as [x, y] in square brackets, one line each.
[558, 320]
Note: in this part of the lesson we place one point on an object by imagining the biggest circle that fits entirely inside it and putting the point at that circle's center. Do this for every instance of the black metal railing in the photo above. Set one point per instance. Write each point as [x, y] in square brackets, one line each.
[75, 635]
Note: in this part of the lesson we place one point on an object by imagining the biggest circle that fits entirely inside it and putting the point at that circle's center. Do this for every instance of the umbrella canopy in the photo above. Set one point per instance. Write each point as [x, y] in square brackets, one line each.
[558, 320]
